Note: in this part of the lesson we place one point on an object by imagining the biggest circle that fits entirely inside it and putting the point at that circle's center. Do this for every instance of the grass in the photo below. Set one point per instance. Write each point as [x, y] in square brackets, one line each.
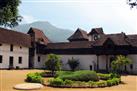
[9, 78]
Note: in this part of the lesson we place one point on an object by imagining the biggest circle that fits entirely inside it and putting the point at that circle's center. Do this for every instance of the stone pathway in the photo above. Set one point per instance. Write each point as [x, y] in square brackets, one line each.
[28, 86]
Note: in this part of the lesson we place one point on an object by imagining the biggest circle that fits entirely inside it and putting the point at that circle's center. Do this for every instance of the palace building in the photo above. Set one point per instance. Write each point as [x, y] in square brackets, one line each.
[95, 50]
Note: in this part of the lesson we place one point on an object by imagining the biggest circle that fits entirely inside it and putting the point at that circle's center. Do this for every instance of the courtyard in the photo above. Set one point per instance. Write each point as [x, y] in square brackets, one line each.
[9, 78]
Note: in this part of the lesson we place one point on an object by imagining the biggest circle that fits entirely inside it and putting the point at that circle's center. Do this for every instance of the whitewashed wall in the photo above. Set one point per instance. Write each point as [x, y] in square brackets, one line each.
[40, 64]
[134, 62]
[85, 61]
[17, 52]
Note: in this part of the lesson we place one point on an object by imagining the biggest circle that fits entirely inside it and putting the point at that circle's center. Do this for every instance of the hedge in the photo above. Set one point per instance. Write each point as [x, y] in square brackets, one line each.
[34, 77]
[57, 82]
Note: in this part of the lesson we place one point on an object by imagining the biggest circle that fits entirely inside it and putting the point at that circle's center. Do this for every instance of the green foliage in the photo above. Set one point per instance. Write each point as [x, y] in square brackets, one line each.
[9, 13]
[53, 62]
[56, 82]
[104, 76]
[92, 84]
[68, 82]
[107, 76]
[61, 73]
[101, 84]
[79, 76]
[73, 63]
[113, 81]
[120, 62]
[34, 77]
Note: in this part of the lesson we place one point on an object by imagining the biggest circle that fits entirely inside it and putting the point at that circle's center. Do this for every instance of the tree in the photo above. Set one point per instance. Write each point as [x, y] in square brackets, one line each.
[73, 63]
[9, 16]
[53, 63]
[132, 3]
[120, 62]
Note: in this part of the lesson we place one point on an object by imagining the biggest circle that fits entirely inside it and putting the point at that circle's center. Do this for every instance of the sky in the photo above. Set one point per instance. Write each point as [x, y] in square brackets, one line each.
[114, 16]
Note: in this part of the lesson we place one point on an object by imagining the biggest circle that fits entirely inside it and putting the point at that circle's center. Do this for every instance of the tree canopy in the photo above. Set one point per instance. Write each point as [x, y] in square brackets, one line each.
[132, 3]
[53, 62]
[119, 62]
[9, 16]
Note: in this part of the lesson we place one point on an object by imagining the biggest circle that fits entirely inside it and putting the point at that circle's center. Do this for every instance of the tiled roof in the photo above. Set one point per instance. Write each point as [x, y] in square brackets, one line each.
[96, 30]
[13, 37]
[70, 45]
[132, 39]
[79, 35]
[118, 39]
[39, 36]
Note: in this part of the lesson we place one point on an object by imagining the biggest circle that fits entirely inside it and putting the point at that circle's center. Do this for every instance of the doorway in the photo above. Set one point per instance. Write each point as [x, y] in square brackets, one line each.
[11, 62]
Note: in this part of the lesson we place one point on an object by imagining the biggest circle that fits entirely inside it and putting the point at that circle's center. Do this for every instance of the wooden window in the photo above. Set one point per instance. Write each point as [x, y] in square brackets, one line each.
[39, 58]
[20, 60]
[0, 58]
[11, 47]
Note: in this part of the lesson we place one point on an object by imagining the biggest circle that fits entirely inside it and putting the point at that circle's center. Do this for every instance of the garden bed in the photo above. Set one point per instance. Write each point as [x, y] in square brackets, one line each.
[84, 79]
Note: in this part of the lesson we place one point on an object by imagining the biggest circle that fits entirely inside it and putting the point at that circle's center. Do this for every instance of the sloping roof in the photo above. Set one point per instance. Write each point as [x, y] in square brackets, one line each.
[118, 39]
[70, 45]
[132, 39]
[97, 30]
[79, 35]
[13, 37]
[39, 36]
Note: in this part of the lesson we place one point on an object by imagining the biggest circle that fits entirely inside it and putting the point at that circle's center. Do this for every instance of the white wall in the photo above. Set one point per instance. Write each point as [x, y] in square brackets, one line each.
[134, 62]
[40, 64]
[17, 52]
[85, 61]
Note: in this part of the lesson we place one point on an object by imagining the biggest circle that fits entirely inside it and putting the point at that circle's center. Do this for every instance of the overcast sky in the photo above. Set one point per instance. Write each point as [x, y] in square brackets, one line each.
[113, 15]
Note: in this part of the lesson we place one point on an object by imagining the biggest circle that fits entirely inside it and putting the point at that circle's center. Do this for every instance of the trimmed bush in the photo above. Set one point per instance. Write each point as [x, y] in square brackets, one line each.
[113, 81]
[34, 77]
[68, 82]
[101, 84]
[104, 76]
[80, 76]
[56, 82]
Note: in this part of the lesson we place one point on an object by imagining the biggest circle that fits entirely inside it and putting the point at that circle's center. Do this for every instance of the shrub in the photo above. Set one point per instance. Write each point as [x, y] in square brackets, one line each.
[104, 76]
[92, 84]
[61, 73]
[80, 76]
[113, 81]
[114, 75]
[34, 77]
[73, 63]
[68, 82]
[56, 82]
[53, 63]
[101, 84]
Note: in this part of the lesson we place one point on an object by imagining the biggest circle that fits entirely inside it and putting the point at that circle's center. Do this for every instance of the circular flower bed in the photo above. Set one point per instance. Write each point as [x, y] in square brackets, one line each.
[80, 79]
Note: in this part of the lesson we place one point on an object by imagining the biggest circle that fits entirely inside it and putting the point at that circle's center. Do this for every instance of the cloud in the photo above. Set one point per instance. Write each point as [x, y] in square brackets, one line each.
[28, 19]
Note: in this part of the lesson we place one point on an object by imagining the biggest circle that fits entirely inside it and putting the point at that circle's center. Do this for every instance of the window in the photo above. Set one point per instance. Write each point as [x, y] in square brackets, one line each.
[131, 66]
[38, 58]
[0, 58]
[20, 47]
[20, 60]
[11, 47]
[90, 67]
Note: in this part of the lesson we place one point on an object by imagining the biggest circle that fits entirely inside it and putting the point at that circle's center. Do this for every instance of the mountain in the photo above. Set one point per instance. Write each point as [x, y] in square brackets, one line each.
[53, 33]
